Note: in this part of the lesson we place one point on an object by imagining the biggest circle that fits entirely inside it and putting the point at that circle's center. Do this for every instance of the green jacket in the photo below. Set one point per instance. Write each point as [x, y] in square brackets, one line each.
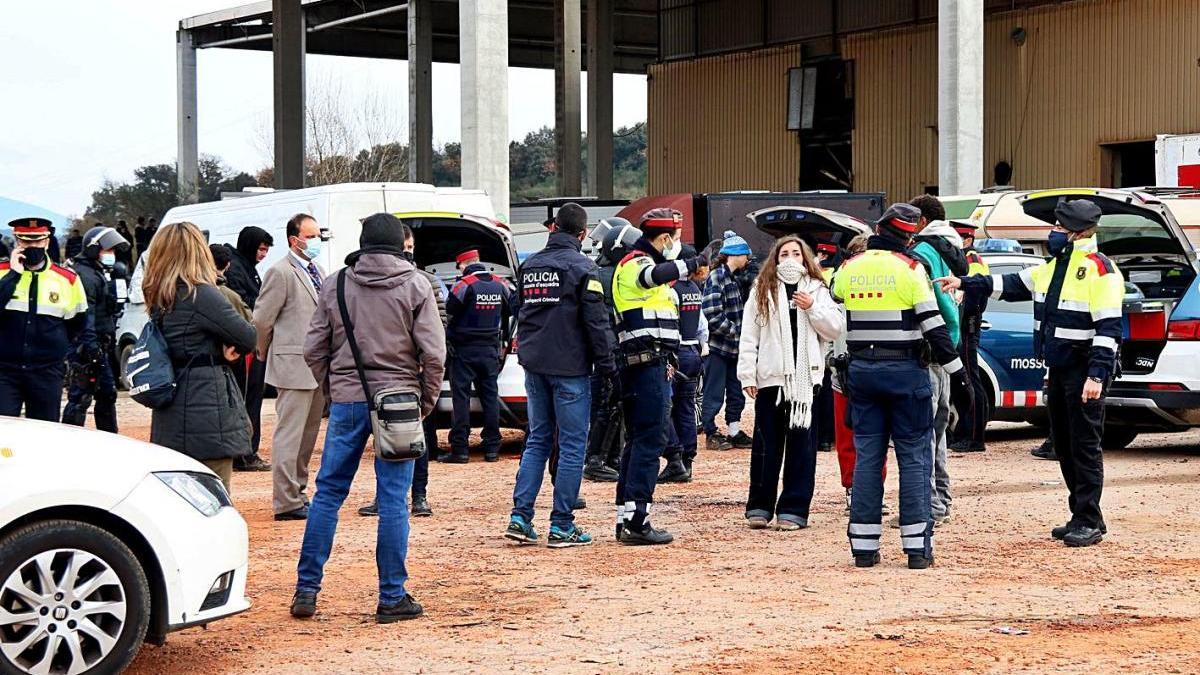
[937, 269]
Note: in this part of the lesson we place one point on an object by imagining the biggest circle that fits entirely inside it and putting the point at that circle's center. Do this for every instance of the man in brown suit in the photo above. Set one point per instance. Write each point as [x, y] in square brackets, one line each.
[282, 314]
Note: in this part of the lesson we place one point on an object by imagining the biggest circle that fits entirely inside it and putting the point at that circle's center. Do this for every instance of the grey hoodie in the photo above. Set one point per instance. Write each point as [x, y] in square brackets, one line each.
[396, 324]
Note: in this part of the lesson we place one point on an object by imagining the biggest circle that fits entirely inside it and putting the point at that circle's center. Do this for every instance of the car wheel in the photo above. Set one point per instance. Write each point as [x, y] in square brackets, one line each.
[73, 599]
[122, 361]
[1117, 438]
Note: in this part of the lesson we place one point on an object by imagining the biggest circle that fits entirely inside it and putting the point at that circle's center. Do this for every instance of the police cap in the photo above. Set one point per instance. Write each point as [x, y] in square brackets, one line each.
[30, 228]
[1077, 215]
[901, 216]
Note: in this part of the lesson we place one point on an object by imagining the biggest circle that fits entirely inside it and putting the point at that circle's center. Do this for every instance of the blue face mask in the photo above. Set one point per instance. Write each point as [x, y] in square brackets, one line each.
[108, 259]
[312, 248]
[1057, 241]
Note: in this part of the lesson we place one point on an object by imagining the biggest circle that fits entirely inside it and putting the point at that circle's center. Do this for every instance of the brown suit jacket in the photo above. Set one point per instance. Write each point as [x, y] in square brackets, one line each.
[282, 314]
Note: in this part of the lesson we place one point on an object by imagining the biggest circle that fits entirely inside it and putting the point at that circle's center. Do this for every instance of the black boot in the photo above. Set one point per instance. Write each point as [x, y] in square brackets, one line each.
[597, 470]
[1045, 450]
[369, 510]
[647, 536]
[674, 472]
[1083, 536]
[687, 465]
[919, 562]
[1061, 531]
[420, 506]
[866, 559]
[405, 609]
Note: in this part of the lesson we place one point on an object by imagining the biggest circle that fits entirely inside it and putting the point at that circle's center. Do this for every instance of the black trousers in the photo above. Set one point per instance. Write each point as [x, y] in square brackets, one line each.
[823, 413]
[252, 381]
[478, 367]
[604, 440]
[38, 390]
[972, 419]
[1076, 428]
[103, 393]
[776, 448]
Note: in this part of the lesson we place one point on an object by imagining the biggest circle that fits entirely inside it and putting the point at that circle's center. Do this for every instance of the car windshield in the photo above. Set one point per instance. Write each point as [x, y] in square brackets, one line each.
[959, 209]
[1115, 226]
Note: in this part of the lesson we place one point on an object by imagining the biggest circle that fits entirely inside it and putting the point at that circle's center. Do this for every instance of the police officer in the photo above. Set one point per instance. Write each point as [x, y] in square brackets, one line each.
[648, 331]
[477, 311]
[563, 335]
[687, 294]
[615, 236]
[967, 434]
[892, 320]
[90, 365]
[44, 313]
[1077, 298]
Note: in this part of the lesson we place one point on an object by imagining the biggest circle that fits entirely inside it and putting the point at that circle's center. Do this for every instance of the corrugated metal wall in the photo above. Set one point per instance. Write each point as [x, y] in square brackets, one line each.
[721, 124]
[1090, 72]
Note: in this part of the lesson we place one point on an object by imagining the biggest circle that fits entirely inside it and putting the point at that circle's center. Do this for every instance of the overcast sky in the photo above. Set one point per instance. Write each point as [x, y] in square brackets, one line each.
[89, 93]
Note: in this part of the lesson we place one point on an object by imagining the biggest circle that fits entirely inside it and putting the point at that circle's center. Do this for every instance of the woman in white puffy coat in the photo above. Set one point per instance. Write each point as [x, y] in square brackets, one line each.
[788, 316]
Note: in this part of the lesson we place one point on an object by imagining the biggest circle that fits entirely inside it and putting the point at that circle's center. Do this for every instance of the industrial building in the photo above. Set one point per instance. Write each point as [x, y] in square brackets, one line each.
[899, 96]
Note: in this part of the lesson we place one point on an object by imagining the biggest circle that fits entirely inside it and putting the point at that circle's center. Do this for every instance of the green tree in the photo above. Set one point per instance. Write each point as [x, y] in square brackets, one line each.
[154, 191]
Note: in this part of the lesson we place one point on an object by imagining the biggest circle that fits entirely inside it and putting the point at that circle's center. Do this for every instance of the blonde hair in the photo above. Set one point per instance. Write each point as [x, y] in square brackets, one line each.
[768, 278]
[177, 253]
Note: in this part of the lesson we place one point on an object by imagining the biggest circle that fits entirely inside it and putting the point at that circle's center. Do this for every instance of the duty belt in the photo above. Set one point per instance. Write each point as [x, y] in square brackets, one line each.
[641, 358]
[885, 353]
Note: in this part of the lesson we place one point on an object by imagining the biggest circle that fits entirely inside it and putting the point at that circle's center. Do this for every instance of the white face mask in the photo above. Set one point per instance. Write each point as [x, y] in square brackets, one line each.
[790, 271]
[672, 252]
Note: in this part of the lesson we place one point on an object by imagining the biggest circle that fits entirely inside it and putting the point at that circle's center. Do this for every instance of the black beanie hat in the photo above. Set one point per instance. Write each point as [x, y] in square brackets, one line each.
[382, 230]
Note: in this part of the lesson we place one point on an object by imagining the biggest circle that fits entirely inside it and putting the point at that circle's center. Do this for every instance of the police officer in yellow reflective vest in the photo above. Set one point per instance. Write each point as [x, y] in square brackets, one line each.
[1077, 298]
[44, 313]
[893, 324]
[648, 332]
[967, 434]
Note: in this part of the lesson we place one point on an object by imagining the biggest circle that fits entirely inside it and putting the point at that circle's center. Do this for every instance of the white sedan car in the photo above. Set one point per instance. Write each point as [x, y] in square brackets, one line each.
[105, 542]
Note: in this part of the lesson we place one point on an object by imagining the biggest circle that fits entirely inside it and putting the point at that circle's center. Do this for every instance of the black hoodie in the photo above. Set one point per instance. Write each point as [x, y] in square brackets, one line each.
[242, 276]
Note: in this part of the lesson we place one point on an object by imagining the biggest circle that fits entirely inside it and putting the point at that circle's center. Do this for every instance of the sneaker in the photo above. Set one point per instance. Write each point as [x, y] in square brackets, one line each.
[718, 441]
[420, 507]
[866, 559]
[919, 562]
[674, 472]
[939, 521]
[408, 608]
[757, 522]
[369, 510]
[520, 531]
[296, 514]
[451, 458]
[791, 524]
[1061, 531]
[304, 604]
[596, 470]
[741, 440]
[565, 538]
[649, 536]
[847, 511]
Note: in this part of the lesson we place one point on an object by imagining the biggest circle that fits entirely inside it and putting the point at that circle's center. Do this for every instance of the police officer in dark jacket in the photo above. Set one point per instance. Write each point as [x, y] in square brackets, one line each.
[477, 311]
[43, 311]
[615, 236]
[242, 277]
[693, 336]
[563, 334]
[90, 366]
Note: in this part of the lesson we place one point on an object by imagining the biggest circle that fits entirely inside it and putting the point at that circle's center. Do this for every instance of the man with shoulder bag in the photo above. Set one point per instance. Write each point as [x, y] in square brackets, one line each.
[376, 344]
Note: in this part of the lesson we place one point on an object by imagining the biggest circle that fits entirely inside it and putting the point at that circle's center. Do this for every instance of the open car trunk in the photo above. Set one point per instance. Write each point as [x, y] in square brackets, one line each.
[1140, 235]
[812, 224]
[440, 237]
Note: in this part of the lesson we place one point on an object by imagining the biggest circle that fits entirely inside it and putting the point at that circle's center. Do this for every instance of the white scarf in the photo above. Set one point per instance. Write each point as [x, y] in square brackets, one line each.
[797, 387]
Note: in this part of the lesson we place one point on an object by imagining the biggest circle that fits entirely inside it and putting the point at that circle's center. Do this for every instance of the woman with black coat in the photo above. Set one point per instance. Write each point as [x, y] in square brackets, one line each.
[207, 420]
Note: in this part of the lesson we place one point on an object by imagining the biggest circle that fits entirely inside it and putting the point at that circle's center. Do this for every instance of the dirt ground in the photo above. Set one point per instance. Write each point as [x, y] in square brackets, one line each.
[723, 598]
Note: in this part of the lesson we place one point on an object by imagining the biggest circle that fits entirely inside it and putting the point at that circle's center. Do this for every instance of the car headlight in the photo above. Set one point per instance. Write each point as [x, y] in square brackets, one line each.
[201, 490]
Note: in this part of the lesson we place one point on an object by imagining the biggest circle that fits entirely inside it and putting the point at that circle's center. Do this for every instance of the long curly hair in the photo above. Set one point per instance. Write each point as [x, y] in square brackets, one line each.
[767, 284]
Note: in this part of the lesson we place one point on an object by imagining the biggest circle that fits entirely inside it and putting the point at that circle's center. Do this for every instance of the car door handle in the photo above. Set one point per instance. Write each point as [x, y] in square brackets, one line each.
[985, 325]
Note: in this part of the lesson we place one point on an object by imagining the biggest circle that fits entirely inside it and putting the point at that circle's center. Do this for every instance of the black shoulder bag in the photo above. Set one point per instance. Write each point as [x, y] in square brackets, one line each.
[395, 411]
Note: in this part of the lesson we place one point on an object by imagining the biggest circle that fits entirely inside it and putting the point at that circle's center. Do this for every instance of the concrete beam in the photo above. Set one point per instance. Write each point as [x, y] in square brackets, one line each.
[288, 39]
[420, 91]
[600, 98]
[187, 158]
[483, 53]
[960, 96]
[568, 53]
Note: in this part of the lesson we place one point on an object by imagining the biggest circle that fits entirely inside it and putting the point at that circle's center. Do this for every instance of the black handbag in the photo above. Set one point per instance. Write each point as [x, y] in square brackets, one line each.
[395, 411]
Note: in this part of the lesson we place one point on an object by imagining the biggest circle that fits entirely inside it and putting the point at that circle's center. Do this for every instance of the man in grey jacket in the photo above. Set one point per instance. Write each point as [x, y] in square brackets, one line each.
[399, 334]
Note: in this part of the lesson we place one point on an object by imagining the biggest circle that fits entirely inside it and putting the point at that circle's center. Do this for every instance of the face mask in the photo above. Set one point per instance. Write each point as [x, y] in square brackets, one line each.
[312, 248]
[407, 255]
[1057, 241]
[108, 259]
[672, 252]
[790, 271]
[34, 257]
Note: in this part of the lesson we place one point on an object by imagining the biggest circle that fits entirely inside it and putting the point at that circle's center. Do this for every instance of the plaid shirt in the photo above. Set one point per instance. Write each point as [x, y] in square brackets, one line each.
[722, 306]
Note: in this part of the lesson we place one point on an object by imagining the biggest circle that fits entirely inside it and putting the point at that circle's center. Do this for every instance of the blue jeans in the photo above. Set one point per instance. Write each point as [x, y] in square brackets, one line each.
[891, 399]
[721, 386]
[345, 439]
[555, 403]
[681, 434]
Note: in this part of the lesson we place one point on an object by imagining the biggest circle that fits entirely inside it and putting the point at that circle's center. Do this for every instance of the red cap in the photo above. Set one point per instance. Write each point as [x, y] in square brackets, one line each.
[30, 228]
[826, 248]
[472, 254]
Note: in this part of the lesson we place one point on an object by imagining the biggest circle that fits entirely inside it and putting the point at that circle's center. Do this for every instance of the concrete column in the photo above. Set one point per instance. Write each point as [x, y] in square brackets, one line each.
[288, 36]
[600, 98]
[187, 160]
[420, 91]
[960, 96]
[567, 65]
[483, 53]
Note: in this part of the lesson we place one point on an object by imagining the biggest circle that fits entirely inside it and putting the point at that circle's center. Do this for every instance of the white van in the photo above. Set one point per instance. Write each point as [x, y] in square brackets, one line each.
[444, 220]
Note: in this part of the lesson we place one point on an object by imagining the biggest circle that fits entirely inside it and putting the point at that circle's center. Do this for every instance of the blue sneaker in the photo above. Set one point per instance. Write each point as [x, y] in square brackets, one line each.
[563, 538]
[520, 531]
